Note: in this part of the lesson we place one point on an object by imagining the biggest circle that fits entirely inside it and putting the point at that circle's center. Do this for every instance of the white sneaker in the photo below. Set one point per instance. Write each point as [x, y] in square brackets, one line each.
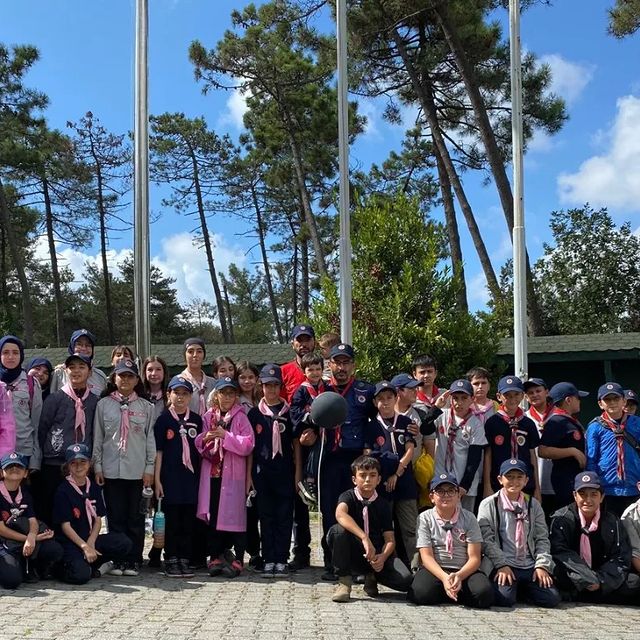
[268, 570]
[105, 568]
[117, 570]
[130, 570]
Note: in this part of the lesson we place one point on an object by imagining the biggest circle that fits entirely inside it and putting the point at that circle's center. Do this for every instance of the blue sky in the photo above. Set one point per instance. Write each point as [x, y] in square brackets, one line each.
[87, 64]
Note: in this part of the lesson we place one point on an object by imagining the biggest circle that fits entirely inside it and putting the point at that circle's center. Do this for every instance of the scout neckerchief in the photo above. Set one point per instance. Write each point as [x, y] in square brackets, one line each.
[89, 508]
[365, 502]
[124, 416]
[428, 400]
[390, 428]
[336, 432]
[520, 513]
[276, 438]
[199, 388]
[565, 414]
[585, 541]
[447, 526]
[512, 421]
[80, 423]
[540, 418]
[15, 504]
[452, 431]
[313, 391]
[617, 428]
[186, 451]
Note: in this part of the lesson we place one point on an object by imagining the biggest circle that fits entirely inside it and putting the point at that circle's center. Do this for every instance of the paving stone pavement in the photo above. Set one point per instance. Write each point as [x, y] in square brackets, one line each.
[153, 606]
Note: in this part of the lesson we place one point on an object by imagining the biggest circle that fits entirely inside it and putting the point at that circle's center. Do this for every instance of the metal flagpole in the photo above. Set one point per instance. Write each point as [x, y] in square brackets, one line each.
[343, 157]
[519, 269]
[141, 187]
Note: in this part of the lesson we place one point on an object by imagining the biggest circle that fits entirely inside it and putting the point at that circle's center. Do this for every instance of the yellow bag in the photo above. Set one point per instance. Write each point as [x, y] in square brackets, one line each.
[423, 469]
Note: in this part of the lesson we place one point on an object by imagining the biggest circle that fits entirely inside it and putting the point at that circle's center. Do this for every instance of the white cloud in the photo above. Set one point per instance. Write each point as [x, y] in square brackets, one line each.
[611, 178]
[568, 79]
[477, 291]
[236, 108]
[540, 142]
[368, 108]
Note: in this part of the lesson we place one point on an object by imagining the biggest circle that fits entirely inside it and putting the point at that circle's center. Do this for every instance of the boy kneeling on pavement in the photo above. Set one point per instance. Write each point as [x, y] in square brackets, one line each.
[362, 541]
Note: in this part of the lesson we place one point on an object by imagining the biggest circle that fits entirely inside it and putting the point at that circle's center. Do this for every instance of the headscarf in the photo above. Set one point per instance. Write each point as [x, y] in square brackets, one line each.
[9, 375]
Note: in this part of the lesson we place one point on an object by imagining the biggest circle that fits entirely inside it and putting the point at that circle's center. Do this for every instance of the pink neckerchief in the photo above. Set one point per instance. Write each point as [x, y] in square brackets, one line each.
[448, 525]
[276, 439]
[81, 418]
[124, 416]
[481, 410]
[585, 542]
[199, 388]
[617, 428]
[7, 496]
[313, 391]
[452, 431]
[520, 513]
[390, 428]
[513, 422]
[186, 451]
[89, 508]
[365, 507]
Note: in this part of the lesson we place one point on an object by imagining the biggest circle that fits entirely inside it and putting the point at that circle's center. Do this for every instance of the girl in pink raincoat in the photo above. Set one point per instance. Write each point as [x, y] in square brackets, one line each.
[7, 422]
[224, 444]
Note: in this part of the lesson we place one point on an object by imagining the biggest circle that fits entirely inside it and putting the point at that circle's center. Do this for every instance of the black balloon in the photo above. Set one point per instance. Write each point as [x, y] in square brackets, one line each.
[329, 410]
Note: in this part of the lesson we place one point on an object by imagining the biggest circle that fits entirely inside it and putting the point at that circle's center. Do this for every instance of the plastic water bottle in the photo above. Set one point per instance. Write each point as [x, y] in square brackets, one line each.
[145, 500]
[158, 527]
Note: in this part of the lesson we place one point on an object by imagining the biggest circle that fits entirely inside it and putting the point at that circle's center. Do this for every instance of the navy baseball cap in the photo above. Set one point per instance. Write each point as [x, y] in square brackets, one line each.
[587, 480]
[225, 383]
[270, 373]
[510, 383]
[534, 382]
[404, 381]
[461, 386]
[444, 478]
[302, 330]
[179, 382]
[610, 389]
[513, 465]
[631, 396]
[563, 390]
[78, 356]
[11, 459]
[384, 386]
[126, 366]
[77, 452]
[342, 349]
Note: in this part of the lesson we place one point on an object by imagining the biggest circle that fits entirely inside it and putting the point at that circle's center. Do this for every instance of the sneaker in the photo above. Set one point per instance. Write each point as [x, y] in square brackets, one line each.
[371, 585]
[228, 570]
[342, 592]
[172, 568]
[104, 568]
[329, 575]
[31, 576]
[185, 570]
[298, 564]
[307, 493]
[280, 570]
[131, 569]
[268, 570]
[232, 570]
[256, 564]
[215, 567]
[117, 570]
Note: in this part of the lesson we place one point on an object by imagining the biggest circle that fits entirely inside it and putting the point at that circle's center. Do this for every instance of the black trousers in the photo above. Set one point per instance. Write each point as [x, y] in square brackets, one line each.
[275, 509]
[476, 591]
[301, 529]
[219, 541]
[180, 520]
[74, 569]
[13, 564]
[348, 559]
[45, 483]
[618, 504]
[122, 498]
[253, 533]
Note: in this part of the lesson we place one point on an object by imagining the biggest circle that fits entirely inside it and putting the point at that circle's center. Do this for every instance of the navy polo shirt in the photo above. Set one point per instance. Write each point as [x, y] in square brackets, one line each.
[69, 506]
[379, 516]
[179, 484]
[360, 409]
[562, 432]
[24, 509]
[263, 460]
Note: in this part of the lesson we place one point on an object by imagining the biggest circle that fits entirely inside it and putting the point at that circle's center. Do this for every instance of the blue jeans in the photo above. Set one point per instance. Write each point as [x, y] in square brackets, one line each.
[530, 590]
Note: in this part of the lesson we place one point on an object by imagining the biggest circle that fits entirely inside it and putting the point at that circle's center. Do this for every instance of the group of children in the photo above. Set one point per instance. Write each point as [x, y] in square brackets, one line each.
[444, 494]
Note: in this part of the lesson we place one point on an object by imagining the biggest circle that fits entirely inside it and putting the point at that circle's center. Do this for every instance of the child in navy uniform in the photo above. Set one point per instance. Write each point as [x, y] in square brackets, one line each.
[273, 471]
[177, 474]
[78, 509]
[27, 550]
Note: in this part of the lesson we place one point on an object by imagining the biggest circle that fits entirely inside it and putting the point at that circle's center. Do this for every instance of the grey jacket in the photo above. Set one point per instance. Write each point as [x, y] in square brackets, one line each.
[537, 536]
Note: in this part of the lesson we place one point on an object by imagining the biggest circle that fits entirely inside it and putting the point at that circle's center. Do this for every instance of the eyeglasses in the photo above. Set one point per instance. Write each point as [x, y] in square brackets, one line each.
[448, 493]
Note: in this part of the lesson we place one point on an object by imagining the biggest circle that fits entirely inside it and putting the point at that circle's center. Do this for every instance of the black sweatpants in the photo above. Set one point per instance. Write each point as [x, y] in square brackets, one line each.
[48, 480]
[122, 498]
[253, 533]
[220, 540]
[275, 509]
[180, 520]
[476, 590]
[13, 564]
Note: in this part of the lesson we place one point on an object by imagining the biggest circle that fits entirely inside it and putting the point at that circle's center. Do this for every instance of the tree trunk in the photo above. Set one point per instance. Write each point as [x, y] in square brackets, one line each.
[55, 272]
[265, 264]
[27, 310]
[423, 91]
[225, 291]
[491, 147]
[3, 268]
[457, 263]
[207, 246]
[294, 273]
[304, 258]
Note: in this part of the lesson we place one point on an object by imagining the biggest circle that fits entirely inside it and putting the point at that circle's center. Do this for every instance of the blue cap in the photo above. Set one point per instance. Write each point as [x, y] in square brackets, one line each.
[179, 382]
[384, 386]
[270, 373]
[40, 362]
[77, 452]
[126, 366]
[444, 478]
[534, 382]
[610, 389]
[78, 356]
[563, 390]
[461, 386]
[631, 395]
[587, 480]
[76, 335]
[404, 381]
[12, 458]
[512, 465]
[342, 349]
[510, 383]
[302, 330]
[225, 383]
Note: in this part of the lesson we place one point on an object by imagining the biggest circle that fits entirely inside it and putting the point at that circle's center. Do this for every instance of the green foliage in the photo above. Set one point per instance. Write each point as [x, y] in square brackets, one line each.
[624, 18]
[403, 298]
